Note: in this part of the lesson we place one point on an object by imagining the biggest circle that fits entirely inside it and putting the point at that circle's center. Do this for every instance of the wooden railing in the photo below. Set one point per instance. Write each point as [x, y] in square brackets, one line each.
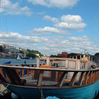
[47, 77]
[28, 65]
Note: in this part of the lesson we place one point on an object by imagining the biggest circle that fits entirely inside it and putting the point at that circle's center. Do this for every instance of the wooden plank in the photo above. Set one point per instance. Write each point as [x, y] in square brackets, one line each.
[57, 76]
[28, 71]
[89, 79]
[47, 69]
[22, 72]
[40, 78]
[32, 73]
[17, 71]
[2, 77]
[73, 79]
[86, 78]
[93, 77]
[80, 79]
[60, 83]
[2, 73]
[97, 75]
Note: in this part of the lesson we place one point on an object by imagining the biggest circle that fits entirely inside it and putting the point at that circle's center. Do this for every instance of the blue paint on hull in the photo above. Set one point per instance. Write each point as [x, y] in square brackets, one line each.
[88, 92]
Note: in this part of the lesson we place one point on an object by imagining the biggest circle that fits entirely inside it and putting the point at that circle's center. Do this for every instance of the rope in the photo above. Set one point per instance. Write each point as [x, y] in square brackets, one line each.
[42, 95]
[2, 92]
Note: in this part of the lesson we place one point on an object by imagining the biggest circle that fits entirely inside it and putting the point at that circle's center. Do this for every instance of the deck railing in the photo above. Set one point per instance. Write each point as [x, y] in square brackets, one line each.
[47, 77]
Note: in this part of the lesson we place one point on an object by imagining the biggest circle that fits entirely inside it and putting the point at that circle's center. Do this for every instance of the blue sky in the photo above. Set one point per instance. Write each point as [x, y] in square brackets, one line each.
[50, 26]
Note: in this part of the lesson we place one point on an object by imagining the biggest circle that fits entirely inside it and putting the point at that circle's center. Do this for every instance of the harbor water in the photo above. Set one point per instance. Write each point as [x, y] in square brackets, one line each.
[18, 61]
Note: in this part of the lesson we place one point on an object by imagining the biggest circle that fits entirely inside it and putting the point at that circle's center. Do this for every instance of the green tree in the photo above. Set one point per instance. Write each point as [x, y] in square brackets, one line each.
[97, 54]
[1, 49]
[32, 53]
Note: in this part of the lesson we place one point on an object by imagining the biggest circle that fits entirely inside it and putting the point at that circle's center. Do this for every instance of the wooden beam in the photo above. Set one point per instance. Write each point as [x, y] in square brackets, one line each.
[93, 77]
[89, 79]
[86, 78]
[80, 79]
[40, 78]
[22, 72]
[2, 73]
[47, 69]
[32, 73]
[97, 75]
[73, 79]
[2, 77]
[61, 80]
[28, 71]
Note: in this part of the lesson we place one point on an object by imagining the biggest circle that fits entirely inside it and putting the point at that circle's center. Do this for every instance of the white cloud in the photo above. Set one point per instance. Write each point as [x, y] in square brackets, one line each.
[71, 18]
[49, 30]
[55, 3]
[7, 7]
[52, 19]
[49, 45]
[72, 26]
[19, 40]
[72, 22]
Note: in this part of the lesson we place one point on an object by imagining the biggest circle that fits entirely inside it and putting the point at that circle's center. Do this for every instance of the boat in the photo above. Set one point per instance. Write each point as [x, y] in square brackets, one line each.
[18, 57]
[30, 82]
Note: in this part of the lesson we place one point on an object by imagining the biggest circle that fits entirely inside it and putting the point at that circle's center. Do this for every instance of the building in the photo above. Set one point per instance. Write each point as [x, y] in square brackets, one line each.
[63, 54]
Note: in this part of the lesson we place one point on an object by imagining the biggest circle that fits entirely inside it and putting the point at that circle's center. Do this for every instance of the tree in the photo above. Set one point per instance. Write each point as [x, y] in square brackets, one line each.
[1, 49]
[32, 53]
[97, 54]
[54, 56]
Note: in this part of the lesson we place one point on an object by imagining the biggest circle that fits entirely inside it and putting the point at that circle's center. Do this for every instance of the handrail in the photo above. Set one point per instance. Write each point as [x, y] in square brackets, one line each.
[48, 69]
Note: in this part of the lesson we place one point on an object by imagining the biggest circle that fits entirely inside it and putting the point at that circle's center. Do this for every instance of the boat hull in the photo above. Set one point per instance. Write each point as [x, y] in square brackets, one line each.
[88, 92]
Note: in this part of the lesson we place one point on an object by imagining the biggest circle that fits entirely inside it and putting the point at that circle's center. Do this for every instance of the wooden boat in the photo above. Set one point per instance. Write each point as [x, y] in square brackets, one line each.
[43, 81]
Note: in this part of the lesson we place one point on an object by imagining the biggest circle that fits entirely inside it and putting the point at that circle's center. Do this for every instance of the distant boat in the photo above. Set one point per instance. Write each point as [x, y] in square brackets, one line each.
[9, 62]
[31, 58]
[18, 57]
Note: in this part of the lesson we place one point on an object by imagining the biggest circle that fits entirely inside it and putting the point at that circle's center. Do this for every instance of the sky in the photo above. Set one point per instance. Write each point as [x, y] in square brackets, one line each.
[50, 26]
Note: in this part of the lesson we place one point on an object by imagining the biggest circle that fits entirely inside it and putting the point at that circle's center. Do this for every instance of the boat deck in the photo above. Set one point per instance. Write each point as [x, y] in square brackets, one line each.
[32, 82]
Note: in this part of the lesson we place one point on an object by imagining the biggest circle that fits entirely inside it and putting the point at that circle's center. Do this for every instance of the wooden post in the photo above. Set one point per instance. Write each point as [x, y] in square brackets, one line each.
[80, 56]
[28, 71]
[86, 78]
[1, 73]
[38, 61]
[73, 79]
[2, 76]
[60, 83]
[32, 73]
[17, 71]
[48, 61]
[80, 79]
[89, 80]
[22, 72]
[93, 77]
[40, 79]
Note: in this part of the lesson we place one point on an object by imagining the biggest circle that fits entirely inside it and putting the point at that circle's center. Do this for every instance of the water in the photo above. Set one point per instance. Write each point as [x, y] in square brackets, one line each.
[21, 61]
[18, 61]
